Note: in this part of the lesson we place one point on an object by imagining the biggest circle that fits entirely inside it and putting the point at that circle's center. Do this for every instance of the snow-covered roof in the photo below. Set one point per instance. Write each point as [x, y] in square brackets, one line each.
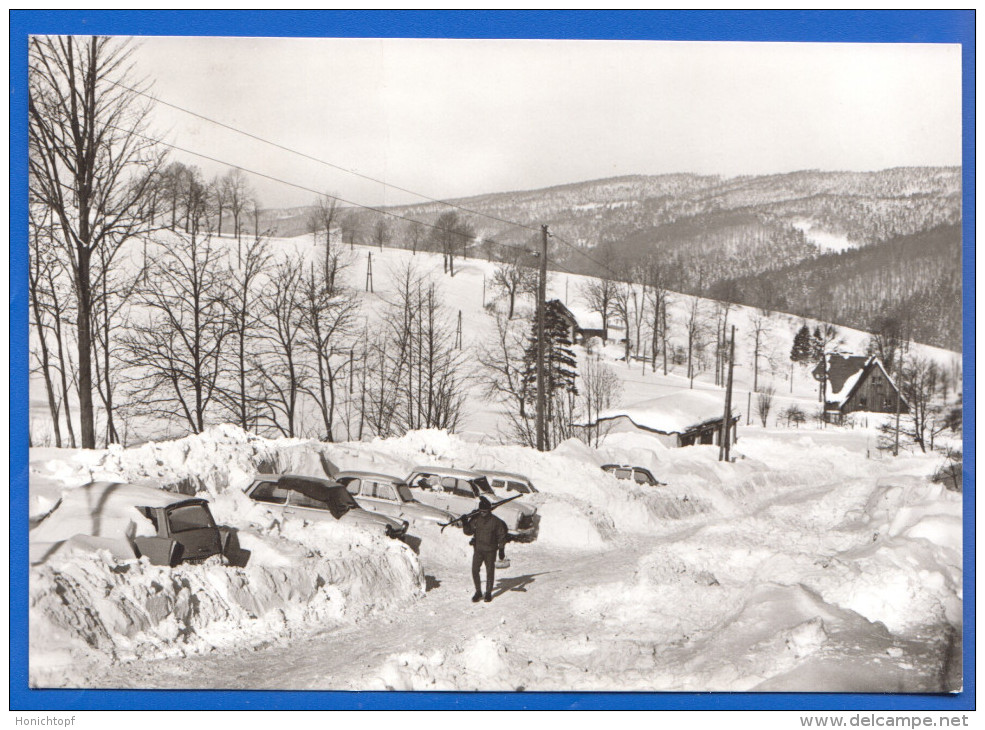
[102, 509]
[675, 413]
[587, 320]
[844, 373]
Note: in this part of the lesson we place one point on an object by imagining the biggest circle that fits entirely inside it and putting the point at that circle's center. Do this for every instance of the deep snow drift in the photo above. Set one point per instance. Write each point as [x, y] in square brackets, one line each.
[803, 565]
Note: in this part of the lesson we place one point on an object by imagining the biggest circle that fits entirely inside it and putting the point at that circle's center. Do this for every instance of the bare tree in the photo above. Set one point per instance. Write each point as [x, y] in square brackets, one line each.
[919, 384]
[175, 345]
[759, 328]
[695, 327]
[280, 362]
[219, 200]
[451, 234]
[244, 307]
[764, 403]
[515, 277]
[599, 295]
[657, 298]
[502, 377]
[239, 195]
[328, 316]
[89, 164]
[381, 232]
[600, 387]
[417, 377]
[42, 261]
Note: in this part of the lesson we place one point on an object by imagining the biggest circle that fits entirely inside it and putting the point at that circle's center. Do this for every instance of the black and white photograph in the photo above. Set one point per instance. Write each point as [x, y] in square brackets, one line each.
[499, 365]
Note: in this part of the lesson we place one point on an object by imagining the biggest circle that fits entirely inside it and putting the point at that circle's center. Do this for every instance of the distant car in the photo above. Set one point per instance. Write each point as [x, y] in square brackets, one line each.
[458, 491]
[106, 515]
[634, 474]
[390, 496]
[316, 499]
[504, 481]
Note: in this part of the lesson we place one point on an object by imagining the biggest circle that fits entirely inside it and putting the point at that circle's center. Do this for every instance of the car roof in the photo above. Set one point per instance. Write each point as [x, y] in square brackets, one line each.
[447, 471]
[277, 477]
[625, 466]
[507, 474]
[374, 474]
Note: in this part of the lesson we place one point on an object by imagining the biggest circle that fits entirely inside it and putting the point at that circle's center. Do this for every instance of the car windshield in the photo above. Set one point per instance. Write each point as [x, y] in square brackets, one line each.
[405, 494]
[190, 517]
[641, 477]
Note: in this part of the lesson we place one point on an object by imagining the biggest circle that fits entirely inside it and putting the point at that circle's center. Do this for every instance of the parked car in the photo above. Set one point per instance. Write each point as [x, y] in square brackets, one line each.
[390, 496]
[178, 529]
[505, 481]
[457, 491]
[316, 499]
[634, 474]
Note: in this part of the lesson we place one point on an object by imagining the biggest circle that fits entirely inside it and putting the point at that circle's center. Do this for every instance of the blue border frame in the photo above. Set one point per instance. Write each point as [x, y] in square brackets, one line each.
[889, 26]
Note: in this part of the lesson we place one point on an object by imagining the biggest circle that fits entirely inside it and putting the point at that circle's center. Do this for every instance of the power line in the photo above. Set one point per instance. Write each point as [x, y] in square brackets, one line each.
[321, 161]
[224, 125]
[381, 211]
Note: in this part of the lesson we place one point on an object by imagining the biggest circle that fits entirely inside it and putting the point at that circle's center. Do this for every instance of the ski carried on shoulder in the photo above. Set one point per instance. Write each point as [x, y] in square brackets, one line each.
[474, 512]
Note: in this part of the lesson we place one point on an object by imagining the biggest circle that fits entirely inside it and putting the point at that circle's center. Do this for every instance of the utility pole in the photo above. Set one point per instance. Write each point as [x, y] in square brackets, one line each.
[541, 305]
[369, 273]
[458, 332]
[899, 393]
[724, 445]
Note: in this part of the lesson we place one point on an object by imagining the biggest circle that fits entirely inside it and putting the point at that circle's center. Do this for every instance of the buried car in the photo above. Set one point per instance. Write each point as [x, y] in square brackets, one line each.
[506, 481]
[318, 500]
[457, 491]
[634, 474]
[133, 520]
[390, 496]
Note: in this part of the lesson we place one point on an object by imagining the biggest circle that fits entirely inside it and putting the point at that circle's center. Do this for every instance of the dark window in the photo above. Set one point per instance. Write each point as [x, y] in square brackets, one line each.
[623, 473]
[641, 477]
[269, 492]
[483, 485]
[517, 487]
[192, 517]
[404, 493]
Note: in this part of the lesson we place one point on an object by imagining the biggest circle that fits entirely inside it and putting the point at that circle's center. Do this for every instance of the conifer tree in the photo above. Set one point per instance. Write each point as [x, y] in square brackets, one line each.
[802, 345]
[560, 367]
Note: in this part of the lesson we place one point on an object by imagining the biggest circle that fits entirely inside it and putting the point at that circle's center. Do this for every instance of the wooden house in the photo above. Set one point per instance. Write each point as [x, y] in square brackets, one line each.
[855, 383]
[686, 418]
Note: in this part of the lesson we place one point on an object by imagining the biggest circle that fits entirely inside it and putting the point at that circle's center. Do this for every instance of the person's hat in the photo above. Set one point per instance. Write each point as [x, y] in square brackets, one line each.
[484, 504]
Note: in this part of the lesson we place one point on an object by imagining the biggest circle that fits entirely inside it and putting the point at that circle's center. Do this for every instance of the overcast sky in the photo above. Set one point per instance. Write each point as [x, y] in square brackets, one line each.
[451, 118]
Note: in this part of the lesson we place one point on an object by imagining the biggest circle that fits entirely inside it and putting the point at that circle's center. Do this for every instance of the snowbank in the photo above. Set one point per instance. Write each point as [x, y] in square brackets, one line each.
[91, 600]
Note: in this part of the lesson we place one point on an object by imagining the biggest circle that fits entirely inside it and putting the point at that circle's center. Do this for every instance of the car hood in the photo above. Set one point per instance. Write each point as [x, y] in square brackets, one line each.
[419, 510]
[364, 517]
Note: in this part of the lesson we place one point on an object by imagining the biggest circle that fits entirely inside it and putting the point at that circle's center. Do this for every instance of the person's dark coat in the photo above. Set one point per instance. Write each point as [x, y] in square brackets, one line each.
[490, 532]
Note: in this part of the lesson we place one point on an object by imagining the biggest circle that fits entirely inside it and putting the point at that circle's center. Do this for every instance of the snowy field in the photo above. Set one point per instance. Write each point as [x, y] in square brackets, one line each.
[803, 566]
[812, 563]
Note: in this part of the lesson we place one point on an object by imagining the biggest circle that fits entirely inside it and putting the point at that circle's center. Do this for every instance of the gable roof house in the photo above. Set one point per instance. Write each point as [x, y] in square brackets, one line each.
[681, 419]
[857, 383]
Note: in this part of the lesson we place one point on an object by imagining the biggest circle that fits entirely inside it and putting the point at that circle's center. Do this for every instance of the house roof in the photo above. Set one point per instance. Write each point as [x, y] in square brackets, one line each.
[587, 320]
[676, 413]
[846, 373]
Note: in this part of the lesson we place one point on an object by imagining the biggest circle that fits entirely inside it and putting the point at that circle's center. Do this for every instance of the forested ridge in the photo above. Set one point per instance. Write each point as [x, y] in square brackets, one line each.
[915, 279]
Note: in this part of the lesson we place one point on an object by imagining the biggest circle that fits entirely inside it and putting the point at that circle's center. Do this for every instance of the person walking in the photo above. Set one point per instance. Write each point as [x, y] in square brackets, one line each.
[489, 536]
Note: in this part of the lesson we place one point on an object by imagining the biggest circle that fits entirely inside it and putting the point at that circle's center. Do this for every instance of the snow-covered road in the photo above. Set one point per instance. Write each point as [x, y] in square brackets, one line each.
[749, 602]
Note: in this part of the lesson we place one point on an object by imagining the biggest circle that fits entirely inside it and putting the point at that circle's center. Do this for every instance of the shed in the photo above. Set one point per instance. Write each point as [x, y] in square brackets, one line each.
[857, 383]
[685, 418]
